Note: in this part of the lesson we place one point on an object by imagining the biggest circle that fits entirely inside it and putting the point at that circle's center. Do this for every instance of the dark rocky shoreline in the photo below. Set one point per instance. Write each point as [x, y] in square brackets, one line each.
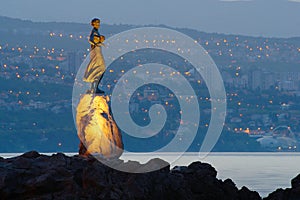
[36, 176]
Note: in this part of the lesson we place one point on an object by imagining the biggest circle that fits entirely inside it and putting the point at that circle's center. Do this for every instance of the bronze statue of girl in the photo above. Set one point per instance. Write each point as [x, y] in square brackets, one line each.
[96, 67]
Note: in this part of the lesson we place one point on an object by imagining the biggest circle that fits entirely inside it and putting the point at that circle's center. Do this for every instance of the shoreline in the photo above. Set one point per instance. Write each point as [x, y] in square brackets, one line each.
[32, 159]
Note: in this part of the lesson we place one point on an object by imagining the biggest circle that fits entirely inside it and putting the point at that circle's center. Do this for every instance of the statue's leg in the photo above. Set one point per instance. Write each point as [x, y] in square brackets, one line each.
[101, 77]
[95, 85]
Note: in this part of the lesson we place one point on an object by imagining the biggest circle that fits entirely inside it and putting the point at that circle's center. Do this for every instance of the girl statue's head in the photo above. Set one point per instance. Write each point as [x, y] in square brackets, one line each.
[95, 23]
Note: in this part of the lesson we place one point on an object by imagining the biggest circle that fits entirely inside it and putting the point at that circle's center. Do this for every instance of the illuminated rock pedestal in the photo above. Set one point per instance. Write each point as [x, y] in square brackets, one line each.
[96, 129]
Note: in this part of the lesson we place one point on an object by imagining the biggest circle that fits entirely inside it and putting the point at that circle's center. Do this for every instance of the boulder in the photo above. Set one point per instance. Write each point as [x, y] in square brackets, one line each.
[96, 128]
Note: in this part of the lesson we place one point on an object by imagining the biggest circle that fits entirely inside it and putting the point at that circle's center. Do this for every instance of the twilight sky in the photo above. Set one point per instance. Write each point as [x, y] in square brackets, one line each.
[275, 18]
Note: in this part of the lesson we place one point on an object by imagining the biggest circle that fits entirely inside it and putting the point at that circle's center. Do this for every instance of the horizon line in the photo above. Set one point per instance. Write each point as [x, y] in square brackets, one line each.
[158, 25]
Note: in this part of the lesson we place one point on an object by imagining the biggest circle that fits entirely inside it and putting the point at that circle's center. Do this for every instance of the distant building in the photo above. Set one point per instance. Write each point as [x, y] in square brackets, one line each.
[74, 61]
[269, 80]
[255, 80]
[241, 82]
[262, 80]
[228, 80]
[290, 81]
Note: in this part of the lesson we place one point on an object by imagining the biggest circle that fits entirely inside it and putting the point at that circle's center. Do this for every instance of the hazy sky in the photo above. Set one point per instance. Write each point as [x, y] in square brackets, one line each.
[277, 18]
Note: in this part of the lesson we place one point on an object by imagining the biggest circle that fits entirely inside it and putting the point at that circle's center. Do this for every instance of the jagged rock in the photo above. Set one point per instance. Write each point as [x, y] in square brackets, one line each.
[155, 164]
[30, 154]
[96, 127]
[202, 169]
[287, 194]
[80, 177]
[246, 194]
[296, 182]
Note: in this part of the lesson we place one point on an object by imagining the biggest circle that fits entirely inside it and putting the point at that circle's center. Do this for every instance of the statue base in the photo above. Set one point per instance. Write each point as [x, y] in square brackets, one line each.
[96, 127]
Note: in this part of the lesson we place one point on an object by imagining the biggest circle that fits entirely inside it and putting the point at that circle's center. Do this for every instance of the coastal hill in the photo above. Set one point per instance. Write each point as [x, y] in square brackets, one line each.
[39, 62]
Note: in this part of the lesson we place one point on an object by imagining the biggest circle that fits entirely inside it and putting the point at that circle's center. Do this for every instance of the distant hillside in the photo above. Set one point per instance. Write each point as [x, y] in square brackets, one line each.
[9, 24]
[16, 32]
[16, 27]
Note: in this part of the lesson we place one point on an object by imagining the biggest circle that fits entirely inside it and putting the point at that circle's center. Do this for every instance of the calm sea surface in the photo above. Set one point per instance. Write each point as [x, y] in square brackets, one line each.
[262, 172]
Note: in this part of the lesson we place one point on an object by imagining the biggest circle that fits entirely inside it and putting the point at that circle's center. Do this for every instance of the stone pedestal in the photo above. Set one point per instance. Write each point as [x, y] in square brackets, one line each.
[96, 129]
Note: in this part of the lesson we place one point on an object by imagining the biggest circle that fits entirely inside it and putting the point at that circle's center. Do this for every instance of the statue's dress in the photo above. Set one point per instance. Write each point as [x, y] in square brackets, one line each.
[96, 66]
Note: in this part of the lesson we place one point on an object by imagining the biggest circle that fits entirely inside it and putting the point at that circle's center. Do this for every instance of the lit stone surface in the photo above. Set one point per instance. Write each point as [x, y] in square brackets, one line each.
[96, 128]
